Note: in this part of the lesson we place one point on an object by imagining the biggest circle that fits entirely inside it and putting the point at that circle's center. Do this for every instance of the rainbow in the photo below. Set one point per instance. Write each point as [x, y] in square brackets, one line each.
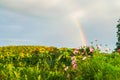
[82, 35]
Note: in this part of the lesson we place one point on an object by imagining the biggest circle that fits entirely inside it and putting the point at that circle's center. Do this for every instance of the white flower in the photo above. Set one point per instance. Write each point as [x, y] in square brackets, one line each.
[66, 68]
[84, 58]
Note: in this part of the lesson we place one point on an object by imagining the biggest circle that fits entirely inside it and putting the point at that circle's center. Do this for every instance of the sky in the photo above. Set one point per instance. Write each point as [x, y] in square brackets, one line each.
[57, 22]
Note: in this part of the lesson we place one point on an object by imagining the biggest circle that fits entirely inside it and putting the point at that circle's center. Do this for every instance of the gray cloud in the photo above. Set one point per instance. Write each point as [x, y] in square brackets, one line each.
[57, 19]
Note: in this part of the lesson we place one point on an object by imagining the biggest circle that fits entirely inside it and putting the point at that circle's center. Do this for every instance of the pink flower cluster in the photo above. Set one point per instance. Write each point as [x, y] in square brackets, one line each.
[76, 50]
[74, 62]
[91, 49]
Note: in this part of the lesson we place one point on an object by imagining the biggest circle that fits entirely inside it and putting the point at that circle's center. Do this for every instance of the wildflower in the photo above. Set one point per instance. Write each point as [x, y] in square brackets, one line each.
[99, 47]
[82, 53]
[89, 56]
[118, 50]
[75, 51]
[91, 49]
[73, 61]
[73, 58]
[22, 55]
[74, 66]
[66, 68]
[84, 58]
[107, 49]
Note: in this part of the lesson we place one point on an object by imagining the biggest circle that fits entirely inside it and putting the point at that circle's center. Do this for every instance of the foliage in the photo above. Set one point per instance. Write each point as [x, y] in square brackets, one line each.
[118, 36]
[51, 63]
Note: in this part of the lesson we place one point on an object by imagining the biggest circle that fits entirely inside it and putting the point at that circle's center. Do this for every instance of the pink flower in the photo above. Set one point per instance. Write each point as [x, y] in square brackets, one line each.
[91, 49]
[74, 66]
[118, 50]
[99, 47]
[76, 51]
[73, 61]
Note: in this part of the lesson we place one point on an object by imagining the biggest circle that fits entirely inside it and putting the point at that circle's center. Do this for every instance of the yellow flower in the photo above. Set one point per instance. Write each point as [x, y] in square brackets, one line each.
[22, 55]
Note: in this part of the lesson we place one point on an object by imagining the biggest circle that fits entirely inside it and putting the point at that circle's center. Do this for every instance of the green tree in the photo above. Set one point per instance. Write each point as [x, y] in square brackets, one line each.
[118, 36]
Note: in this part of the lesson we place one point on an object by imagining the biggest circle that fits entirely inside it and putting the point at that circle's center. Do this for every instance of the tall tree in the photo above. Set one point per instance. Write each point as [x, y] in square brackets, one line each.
[118, 36]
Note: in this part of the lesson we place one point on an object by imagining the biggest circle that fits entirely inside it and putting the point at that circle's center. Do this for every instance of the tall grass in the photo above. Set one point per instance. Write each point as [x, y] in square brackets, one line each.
[51, 63]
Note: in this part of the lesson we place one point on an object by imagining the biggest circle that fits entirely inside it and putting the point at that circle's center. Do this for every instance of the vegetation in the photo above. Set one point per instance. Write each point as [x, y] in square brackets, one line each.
[51, 63]
[118, 35]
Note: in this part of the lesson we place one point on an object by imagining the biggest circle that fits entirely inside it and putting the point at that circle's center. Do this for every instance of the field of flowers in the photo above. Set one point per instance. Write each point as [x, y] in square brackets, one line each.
[51, 63]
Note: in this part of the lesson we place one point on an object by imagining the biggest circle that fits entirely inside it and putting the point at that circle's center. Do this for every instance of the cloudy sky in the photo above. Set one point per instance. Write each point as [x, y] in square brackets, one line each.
[54, 22]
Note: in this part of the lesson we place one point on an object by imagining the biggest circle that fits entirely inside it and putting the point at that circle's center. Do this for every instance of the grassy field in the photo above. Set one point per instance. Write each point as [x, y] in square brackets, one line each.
[51, 63]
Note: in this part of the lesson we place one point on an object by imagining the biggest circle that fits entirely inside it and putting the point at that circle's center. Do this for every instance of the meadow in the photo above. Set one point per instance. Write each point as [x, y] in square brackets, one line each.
[51, 63]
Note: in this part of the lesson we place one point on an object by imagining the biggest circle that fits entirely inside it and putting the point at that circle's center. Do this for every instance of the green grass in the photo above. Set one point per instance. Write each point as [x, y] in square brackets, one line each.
[49, 63]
